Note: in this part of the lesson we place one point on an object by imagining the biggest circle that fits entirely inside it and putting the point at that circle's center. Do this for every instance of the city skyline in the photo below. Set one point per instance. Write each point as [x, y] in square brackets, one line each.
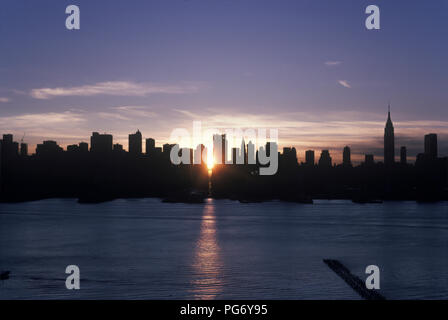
[219, 145]
[322, 82]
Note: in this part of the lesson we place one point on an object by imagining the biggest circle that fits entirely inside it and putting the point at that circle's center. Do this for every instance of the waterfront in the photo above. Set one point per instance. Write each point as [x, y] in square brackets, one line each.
[146, 249]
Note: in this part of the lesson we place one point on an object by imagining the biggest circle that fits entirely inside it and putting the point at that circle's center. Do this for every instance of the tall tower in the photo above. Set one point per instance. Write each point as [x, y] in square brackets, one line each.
[403, 157]
[389, 141]
[346, 162]
[135, 143]
[431, 145]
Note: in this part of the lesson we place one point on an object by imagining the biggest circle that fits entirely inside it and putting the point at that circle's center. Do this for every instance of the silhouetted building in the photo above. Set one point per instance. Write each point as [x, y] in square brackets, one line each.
[100, 143]
[23, 149]
[325, 159]
[290, 155]
[235, 152]
[10, 148]
[309, 157]
[167, 149]
[268, 148]
[158, 151]
[83, 147]
[48, 148]
[73, 148]
[346, 161]
[389, 142]
[135, 143]
[431, 146]
[243, 150]
[250, 158]
[403, 155]
[118, 147]
[7, 139]
[219, 148]
[150, 146]
[369, 160]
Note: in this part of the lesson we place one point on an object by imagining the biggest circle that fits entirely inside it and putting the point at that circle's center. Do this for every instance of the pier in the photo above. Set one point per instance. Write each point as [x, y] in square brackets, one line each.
[352, 280]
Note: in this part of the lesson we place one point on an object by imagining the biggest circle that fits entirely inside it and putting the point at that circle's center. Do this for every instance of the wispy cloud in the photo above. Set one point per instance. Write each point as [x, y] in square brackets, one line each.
[3, 99]
[114, 88]
[344, 83]
[332, 63]
[128, 113]
[360, 130]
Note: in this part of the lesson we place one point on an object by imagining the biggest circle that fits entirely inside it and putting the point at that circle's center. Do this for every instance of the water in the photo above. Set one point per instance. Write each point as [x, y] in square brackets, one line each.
[145, 249]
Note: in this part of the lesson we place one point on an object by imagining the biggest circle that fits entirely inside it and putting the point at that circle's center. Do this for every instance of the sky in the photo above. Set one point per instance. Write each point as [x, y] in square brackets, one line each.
[308, 68]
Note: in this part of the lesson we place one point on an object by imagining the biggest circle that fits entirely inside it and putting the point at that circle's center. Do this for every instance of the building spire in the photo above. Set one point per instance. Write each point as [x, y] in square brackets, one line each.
[388, 114]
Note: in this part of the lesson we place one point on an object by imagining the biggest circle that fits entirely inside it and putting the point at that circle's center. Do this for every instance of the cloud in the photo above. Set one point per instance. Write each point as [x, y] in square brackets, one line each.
[114, 88]
[332, 63]
[362, 131]
[344, 83]
[48, 119]
[3, 99]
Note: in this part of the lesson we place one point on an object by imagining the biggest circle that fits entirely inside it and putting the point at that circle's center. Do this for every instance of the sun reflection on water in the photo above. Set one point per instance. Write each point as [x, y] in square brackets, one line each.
[207, 263]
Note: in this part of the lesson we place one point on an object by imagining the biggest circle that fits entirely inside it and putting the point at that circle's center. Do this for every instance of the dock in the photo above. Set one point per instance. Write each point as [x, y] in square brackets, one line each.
[353, 281]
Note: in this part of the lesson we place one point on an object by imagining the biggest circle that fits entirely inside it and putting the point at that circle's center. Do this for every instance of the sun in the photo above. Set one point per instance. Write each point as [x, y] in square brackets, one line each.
[210, 161]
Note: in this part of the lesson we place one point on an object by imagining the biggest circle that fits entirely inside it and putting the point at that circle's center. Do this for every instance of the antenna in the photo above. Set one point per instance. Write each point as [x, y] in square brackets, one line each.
[21, 140]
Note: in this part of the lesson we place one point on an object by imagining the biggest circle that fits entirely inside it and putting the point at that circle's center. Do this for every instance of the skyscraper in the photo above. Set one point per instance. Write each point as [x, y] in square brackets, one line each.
[403, 156]
[23, 149]
[100, 142]
[48, 148]
[325, 159]
[369, 160]
[135, 143]
[346, 161]
[235, 152]
[250, 159]
[389, 142]
[117, 148]
[83, 147]
[150, 146]
[309, 157]
[219, 148]
[431, 146]
[243, 151]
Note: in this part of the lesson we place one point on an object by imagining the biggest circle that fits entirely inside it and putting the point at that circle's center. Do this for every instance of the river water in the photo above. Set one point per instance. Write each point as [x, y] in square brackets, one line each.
[146, 249]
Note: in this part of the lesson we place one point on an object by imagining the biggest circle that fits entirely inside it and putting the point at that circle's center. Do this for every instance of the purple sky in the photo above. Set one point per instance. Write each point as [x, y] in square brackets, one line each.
[307, 68]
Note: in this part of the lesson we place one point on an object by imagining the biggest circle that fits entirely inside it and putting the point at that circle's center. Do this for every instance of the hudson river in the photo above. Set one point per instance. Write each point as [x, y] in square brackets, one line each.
[145, 249]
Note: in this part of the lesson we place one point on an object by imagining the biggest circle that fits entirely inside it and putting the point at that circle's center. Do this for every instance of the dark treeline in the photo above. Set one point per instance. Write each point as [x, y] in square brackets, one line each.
[100, 176]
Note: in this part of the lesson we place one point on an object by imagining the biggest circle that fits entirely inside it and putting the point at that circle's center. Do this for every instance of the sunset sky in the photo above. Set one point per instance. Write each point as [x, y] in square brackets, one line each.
[309, 68]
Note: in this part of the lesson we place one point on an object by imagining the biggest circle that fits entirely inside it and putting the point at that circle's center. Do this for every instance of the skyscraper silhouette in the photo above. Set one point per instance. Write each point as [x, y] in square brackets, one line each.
[135, 143]
[243, 151]
[431, 146]
[403, 155]
[369, 160]
[150, 146]
[346, 161]
[389, 142]
[100, 142]
[309, 157]
[325, 159]
[23, 149]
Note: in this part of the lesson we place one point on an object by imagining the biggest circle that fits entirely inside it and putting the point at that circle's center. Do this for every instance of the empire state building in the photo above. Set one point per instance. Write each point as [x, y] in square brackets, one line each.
[389, 142]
